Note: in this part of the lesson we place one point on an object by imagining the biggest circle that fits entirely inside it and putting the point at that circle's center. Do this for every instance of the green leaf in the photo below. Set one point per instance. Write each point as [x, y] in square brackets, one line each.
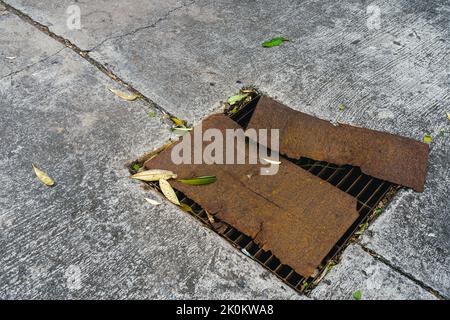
[378, 211]
[152, 114]
[342, 107]
[357, 295]
[135, 167]
[239, 97]
[274, 42]
[199, 181]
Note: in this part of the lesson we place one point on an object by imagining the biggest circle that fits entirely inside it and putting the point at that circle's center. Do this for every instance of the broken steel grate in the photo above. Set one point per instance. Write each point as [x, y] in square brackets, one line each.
[368, 191]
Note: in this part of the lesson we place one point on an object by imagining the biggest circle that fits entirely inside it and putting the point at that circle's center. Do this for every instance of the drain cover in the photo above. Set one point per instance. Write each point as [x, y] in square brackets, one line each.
[271, 219]
[383, 155]
[286, 213]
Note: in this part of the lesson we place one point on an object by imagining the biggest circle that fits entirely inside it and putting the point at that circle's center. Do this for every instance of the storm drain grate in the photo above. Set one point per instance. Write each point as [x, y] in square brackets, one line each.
[368, 191]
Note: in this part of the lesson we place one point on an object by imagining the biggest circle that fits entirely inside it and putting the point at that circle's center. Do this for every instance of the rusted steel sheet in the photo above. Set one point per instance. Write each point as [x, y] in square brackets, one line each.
[382, 155]
[294, 214]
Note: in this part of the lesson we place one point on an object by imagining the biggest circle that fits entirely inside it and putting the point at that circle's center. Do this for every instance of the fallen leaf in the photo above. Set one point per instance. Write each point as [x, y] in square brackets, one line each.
[427, 138]
[154, 175]
[342, 107]
[154, 153]
[304, 286]
[152, 114]
[274, 42]
[378, 211]
[199, 181]
[357, 295]
[186, 208]
[182, 129]
[234, 99]
[210, 217]
[43, 177]
[124, 95]
[152, 202]
[135, 167]
[448, 115]
[246, 253]
[168, 192]
[235, 109]
[177, 121]
[271, 161]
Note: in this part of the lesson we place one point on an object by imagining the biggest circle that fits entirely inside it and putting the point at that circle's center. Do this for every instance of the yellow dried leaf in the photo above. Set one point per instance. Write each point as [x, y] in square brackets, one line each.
[124, 95]
[427, 138]
[448, 115]
[177, 121]
[186, 208]
[154, 175]
[271, 161]
[43, 177]
[168, 191]
[152, 202]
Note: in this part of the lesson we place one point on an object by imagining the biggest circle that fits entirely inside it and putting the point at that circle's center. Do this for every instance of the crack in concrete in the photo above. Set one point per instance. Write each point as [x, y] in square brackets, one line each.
[153, 25]
[32, 65]
[407, 275]
[85, 55]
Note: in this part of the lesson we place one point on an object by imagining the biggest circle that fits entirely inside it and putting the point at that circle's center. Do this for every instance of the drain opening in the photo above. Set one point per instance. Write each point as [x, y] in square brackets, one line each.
[368, 191]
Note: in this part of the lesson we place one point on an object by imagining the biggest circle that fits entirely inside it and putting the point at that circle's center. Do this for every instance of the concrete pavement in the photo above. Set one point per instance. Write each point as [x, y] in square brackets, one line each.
[188, 57]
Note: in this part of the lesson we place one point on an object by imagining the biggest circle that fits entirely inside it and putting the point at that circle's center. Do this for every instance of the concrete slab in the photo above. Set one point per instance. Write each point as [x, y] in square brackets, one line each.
[414, 231]
[391, 77]
[100, 20]
[17, 39]
[93, 235]
[359, 271]
[333, 59]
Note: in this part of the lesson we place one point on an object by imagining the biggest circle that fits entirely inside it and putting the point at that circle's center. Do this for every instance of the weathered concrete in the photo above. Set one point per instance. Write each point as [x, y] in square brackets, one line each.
[93, 235]
[100, 20]
[392, 78]
[376, 281]
[414, 231]
[16, 40]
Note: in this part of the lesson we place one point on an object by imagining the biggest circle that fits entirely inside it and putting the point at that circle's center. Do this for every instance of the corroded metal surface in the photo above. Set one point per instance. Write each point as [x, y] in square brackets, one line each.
[294, 214]
[382, 155]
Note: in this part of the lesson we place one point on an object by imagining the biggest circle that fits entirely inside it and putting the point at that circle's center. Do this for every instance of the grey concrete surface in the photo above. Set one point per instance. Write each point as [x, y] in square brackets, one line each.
[188, 58]
[414, 232]
[395, 78]
[358, 271]
[17, 40]
[93, 235]
[100, 20]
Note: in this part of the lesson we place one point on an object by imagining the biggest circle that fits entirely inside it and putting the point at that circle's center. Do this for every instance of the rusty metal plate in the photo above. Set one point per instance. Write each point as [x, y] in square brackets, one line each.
[294, 214]
[382, 155]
